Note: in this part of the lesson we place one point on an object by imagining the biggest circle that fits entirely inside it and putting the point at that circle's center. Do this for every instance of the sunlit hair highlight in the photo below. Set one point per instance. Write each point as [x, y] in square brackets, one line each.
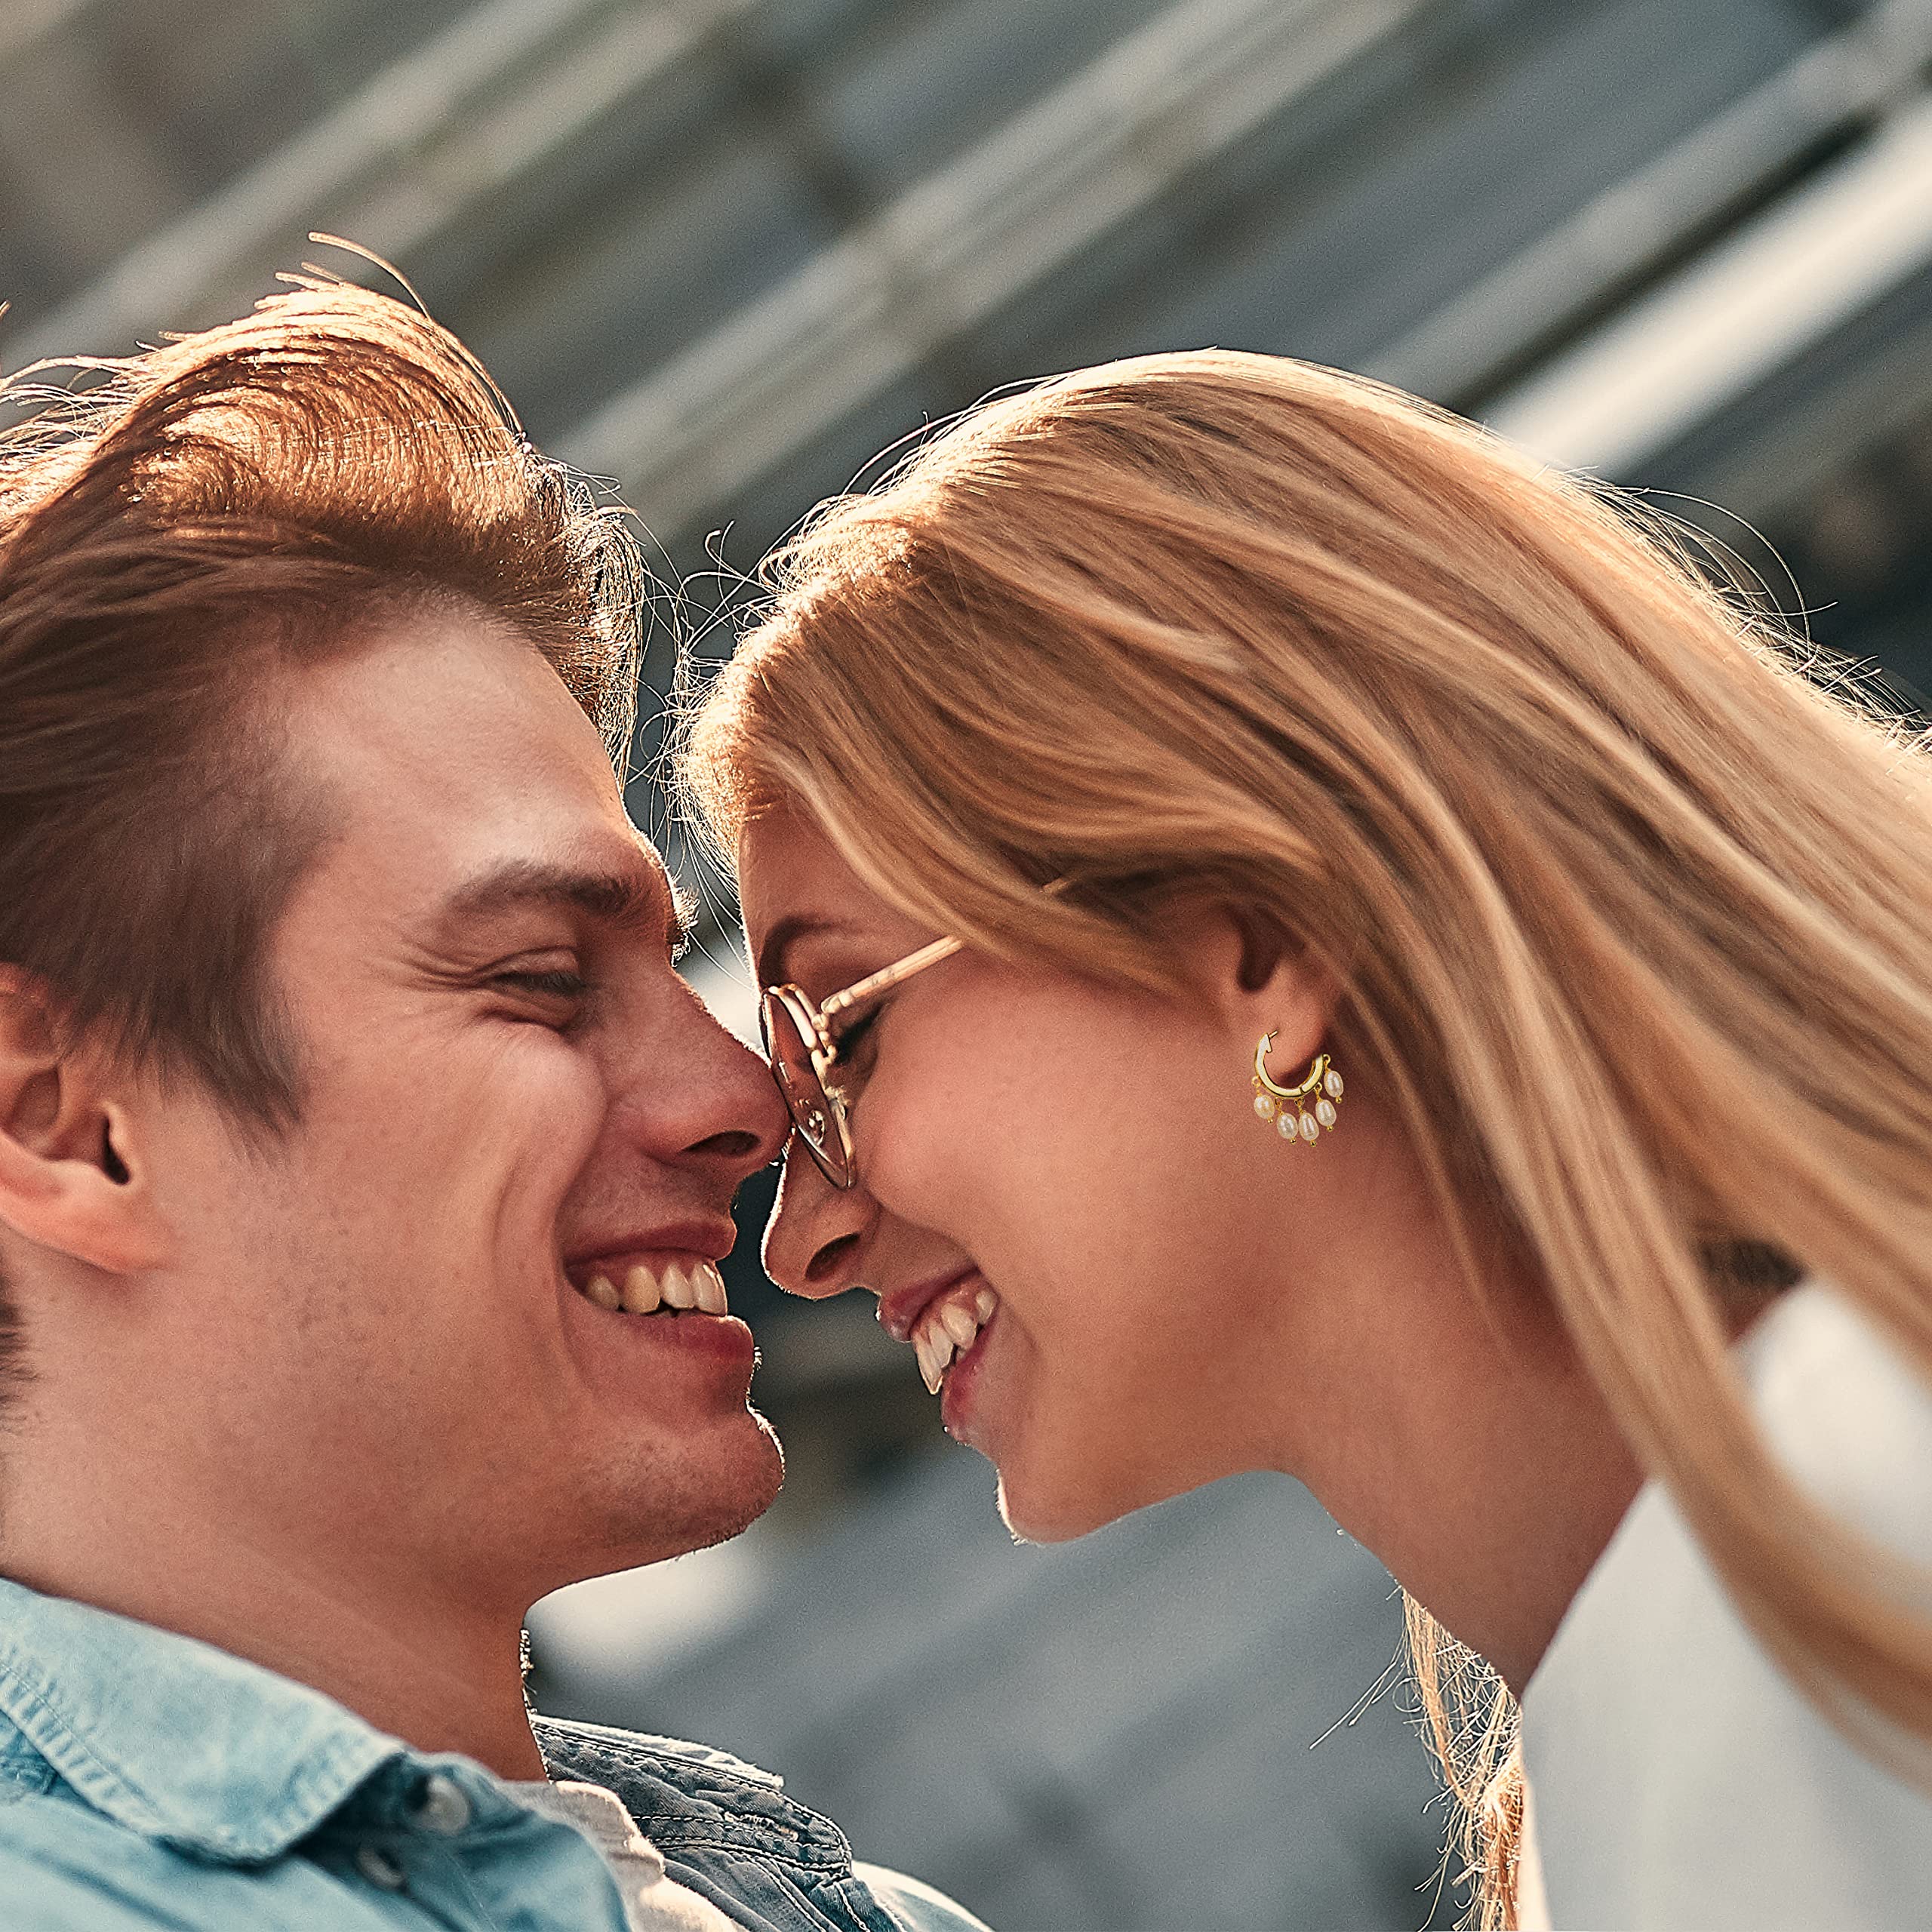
[1633, 919]
[176, 527]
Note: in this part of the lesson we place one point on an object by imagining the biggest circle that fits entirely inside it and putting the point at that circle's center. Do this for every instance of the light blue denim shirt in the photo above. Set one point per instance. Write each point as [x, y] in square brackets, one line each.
[149, 1781]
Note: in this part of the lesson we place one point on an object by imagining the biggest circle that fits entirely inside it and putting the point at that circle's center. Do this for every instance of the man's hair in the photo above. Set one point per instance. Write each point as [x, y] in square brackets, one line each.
[176, 527]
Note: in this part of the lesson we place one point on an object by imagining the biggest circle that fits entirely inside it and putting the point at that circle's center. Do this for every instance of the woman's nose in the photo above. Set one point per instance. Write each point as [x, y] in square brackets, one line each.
[817, 1234]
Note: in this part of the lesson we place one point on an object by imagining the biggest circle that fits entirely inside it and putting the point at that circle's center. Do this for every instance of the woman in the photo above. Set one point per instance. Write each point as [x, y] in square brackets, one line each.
[1307, 944]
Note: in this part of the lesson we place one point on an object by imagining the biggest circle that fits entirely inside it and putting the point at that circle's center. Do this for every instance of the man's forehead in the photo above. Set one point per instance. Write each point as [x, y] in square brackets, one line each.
[448, 714]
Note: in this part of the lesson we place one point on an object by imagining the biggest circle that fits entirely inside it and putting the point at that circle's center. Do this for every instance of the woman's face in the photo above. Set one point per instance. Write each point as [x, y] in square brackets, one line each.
[1084, 1161]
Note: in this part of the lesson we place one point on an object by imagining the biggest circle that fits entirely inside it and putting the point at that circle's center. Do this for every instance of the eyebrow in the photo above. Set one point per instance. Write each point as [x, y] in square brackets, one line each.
[625, 900]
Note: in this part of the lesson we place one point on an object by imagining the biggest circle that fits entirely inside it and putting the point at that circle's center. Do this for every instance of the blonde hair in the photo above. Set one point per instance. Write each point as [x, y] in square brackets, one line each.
[1633, 919]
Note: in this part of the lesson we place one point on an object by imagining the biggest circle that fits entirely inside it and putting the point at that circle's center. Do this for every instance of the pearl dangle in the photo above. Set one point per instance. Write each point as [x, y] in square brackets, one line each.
[1289, 1109]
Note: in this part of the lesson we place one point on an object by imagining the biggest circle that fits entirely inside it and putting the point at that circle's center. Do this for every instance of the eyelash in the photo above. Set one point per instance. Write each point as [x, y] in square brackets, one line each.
[557, 983]
[856, 1032]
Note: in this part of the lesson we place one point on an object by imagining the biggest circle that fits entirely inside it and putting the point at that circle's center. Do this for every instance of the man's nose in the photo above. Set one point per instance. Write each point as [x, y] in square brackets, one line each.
[710, 1102]
[759, 1123]
[815, 1241]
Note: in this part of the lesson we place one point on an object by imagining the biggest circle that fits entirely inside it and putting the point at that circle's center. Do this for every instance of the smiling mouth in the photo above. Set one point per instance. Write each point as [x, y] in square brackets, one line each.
[676, 1285]
[947, 1326]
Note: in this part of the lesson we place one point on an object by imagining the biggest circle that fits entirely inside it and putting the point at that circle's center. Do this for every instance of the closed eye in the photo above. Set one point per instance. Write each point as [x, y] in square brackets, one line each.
[852, 1034]
[558, 983]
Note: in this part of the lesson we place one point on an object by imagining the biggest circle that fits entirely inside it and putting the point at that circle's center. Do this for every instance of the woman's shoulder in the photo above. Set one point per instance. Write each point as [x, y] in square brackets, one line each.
[1676, 1775]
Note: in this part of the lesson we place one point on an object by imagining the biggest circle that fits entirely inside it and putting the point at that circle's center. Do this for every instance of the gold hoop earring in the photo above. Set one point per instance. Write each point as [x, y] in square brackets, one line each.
[1286, 1106]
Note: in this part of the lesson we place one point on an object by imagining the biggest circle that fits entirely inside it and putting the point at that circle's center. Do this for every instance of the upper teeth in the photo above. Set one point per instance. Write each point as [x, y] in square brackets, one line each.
[947, 1326]
[647, 1287]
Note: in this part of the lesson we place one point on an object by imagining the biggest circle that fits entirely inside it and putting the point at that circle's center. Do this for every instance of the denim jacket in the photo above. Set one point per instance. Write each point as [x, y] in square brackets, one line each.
[150, 1781]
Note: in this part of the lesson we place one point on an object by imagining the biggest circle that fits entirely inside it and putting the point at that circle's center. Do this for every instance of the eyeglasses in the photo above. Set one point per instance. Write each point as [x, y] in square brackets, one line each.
[801, 1042]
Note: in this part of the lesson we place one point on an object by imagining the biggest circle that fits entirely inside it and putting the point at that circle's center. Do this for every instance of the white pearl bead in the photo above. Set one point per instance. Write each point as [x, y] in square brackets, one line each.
[1285, 1125]
[1332, 1081]
[1264, 1106]
[1325, 1112]
[1309, 1129]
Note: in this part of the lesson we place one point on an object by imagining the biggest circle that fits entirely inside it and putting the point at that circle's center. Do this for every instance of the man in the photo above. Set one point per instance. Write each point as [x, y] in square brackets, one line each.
[365, 1168]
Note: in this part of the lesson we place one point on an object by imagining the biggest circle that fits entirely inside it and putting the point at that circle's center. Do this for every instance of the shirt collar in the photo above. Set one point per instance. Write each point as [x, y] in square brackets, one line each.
[170, 1737]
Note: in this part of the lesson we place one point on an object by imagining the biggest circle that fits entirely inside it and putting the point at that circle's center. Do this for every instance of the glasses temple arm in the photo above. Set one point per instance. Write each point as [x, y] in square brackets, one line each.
[896, 974]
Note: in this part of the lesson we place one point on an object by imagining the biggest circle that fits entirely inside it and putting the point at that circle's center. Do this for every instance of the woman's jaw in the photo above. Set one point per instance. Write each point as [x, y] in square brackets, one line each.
[1088, 1419]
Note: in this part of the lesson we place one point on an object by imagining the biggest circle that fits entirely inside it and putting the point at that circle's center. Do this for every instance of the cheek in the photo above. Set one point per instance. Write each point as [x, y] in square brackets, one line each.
[544, 1096]
[549, 1109]
[1093, 1142]
[973, 1156]
[1096, 1154]
[1116, 1195]
[1131, 1135]
[451, 1141]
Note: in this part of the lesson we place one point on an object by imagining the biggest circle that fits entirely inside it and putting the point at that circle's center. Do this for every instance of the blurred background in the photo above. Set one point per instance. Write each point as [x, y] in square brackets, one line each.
[722, 253]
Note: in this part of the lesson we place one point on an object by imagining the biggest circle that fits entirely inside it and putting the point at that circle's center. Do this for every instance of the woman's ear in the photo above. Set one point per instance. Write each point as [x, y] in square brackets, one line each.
[1262, 981]
[72, 1177]
[1262, 952]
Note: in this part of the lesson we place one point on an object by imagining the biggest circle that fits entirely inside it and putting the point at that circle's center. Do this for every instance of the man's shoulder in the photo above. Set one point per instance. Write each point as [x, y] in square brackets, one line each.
[720, 1823]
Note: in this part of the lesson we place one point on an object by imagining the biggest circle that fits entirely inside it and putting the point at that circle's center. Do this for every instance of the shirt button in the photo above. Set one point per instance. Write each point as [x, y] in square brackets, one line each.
[380, 1868]
[440, 1806]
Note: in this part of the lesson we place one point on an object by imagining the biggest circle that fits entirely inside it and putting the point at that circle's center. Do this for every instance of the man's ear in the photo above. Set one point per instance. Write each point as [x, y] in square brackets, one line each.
[71, 1178]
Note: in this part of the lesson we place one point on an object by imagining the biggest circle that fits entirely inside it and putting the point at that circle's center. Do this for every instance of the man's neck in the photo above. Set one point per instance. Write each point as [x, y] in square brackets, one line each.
[424, 1665]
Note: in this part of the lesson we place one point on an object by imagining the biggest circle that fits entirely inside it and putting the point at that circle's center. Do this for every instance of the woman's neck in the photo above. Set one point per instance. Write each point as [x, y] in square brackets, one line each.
[1508, 1478]
[1461, 1441]
[1511, 1498]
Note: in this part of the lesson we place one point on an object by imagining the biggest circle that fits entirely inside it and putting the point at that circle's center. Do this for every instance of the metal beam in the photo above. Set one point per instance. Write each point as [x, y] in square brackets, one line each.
[1853, 78]
[421, 144]
[1734, 316]
[1069, 169]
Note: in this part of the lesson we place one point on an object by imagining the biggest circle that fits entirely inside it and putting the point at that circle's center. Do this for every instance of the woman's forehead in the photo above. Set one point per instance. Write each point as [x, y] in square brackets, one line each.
[798, 895]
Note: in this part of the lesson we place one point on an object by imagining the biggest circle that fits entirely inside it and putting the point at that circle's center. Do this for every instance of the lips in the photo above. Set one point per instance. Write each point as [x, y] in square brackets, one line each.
[899, 1309]
[949, 1327]
[941, 1320]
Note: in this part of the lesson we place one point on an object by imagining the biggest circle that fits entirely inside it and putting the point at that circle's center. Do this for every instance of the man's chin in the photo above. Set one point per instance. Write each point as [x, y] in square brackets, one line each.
[711, 1501]
[746, 1500]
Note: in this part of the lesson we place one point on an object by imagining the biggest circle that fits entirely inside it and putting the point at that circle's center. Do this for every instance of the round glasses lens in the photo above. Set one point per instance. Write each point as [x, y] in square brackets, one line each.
[791, 1060]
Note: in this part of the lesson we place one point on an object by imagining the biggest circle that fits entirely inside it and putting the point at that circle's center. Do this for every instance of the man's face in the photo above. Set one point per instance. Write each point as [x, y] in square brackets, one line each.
[508, 1090]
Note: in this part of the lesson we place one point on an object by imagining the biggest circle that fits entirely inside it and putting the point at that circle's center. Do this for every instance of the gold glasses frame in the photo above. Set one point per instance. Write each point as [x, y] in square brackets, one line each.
[823, 1121]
